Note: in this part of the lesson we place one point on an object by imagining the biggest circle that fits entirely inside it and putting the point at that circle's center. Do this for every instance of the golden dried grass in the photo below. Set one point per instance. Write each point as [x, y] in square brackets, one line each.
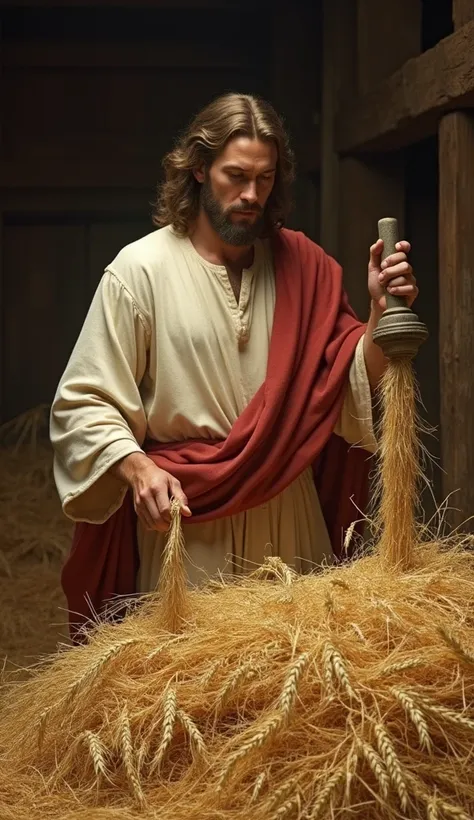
[32, 612]
[260, 706]
[400, 473]
[31, 522]
[34, 539]
[344, 693]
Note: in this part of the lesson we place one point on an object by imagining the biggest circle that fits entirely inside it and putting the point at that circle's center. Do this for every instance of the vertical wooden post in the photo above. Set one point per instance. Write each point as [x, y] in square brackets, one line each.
[338, 83]
[368, 191]
[463, 12]
[296, 96]
[2, 308]
[1, 244]
[456, 305]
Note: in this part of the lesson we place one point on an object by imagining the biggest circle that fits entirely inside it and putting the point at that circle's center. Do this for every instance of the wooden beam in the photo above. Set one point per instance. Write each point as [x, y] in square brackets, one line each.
[85, 173]
[294, 91]
[456, 305]
[46, 202]
[387, 36]
[295, 78]
[25, 55]
[156, 4]
[463, 12]
[406, 107]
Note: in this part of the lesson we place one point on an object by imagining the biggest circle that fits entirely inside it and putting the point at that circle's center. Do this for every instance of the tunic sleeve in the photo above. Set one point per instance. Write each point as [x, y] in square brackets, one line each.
[97, 416]
[355, 424]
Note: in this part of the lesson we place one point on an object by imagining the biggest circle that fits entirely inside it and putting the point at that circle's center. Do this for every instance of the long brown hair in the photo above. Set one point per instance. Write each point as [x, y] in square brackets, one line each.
[229, 116]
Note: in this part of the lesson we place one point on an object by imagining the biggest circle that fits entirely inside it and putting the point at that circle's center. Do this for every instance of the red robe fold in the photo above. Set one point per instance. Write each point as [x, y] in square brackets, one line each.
[287, 427]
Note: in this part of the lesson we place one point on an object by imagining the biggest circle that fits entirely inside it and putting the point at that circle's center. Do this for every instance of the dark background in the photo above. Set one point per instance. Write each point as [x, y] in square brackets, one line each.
[93, 96]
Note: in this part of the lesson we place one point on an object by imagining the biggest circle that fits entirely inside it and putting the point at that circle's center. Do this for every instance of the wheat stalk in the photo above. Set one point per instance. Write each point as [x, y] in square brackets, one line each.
[432, 809]
[195, 736]
[433, 803]
[256, 740]
[243, 672]
[328, 670]
[126, 745]
[352, 764]
[358, 632]
[169, 720]
[97, 752]
[411, 663]
[280, 794]
[161, 648]
[92, 671]
[348, 536]
[392, 764]
[275, 566]
[73, 688]
[416, 716]
[287, 808]
[339, 669]
[290, 686]
[377, 766]
[173, 581]
[448, 714]
[42, 721]
[209, 674]
[258, 785]
[464, 654]
[456, 812]
[326, 793]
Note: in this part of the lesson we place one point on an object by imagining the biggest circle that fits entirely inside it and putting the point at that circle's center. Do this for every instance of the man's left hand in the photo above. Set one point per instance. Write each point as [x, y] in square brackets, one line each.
[394, 275]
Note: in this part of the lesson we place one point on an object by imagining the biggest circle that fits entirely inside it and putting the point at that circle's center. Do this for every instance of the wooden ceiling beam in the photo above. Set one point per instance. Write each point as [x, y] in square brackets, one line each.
[406, 106]
[155, 4]
[148, 55]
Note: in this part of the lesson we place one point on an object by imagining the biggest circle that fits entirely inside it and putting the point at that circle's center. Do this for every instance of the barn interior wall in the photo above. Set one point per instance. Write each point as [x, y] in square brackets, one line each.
[92, 99]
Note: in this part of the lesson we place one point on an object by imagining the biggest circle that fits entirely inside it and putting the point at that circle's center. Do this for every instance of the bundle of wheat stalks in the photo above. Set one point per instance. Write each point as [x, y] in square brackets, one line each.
[346, 693]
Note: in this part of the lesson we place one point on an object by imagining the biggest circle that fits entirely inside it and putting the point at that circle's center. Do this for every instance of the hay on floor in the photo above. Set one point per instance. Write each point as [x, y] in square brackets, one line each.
[349, 693]
[35, 537]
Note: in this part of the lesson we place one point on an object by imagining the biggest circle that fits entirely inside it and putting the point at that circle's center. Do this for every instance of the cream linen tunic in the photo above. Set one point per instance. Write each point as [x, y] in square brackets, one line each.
[166, 352]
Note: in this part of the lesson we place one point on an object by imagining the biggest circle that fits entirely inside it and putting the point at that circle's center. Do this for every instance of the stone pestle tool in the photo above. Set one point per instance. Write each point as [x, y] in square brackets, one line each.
[399, 332]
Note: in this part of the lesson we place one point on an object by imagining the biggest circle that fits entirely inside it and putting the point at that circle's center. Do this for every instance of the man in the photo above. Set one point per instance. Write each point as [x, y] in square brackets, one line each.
[219, 364]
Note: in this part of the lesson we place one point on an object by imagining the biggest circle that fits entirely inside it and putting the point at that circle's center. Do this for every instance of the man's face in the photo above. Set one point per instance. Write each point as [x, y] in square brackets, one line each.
[236, 188]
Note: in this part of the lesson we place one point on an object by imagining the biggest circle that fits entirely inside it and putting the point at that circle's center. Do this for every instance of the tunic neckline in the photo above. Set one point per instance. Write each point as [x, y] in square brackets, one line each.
[257, 258]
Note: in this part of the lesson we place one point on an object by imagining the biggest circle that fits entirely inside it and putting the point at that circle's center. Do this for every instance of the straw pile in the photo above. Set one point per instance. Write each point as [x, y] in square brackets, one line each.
[351, 691]
[34, 539]
[348, 693]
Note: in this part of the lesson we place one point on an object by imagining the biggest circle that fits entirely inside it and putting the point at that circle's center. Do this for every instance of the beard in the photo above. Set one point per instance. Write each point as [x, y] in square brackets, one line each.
[232, 233]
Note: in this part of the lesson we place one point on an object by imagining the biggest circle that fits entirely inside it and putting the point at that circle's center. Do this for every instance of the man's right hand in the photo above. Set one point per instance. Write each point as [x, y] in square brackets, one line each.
[152, 489]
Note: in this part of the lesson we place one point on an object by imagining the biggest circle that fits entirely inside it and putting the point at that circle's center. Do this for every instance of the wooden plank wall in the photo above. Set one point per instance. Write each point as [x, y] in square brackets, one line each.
[92, 98]
[359, 187]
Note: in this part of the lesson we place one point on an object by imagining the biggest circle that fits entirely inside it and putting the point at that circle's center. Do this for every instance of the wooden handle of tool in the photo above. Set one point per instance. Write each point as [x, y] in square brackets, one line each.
[388, 231]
